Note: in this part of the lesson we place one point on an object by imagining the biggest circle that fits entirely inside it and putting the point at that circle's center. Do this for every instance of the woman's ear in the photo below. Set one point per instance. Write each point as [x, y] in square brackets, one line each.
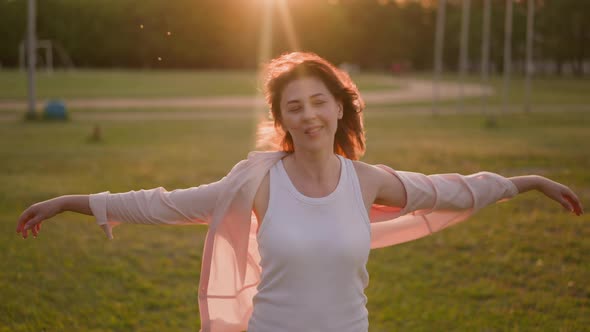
[340, 111]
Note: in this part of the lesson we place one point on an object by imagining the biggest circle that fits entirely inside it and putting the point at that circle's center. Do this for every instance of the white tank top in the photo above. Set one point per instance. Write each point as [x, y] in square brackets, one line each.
[313, 256]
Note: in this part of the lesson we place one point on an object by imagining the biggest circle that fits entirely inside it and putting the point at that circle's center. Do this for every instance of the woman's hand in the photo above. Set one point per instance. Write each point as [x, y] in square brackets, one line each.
[554, 190]
[34, 215]
[562, 194]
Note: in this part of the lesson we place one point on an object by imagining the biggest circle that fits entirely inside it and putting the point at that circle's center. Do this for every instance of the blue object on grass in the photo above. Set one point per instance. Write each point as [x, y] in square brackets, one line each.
[55, 110]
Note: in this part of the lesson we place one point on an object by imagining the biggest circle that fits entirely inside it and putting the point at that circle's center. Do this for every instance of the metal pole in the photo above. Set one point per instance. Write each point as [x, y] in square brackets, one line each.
[49, 57]
[463, 53]
[529, 66]
[485, 52]
[438, 48]
[22, 62]
[31, 55]
[507, 52]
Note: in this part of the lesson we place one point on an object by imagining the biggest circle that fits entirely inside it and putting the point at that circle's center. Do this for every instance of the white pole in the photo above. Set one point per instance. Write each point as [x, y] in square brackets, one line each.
[485, 50]
[507, 52]
[463, 53]
[529, 66]
[31, 52]
[438, 48]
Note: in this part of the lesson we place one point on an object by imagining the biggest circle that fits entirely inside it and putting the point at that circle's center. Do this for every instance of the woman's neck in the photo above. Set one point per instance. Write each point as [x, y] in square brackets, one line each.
[316, 166]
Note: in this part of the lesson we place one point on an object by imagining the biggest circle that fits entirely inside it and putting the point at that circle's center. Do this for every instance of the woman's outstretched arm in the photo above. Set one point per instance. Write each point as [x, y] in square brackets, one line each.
[419, 192]
[429, 204]
[154, 206]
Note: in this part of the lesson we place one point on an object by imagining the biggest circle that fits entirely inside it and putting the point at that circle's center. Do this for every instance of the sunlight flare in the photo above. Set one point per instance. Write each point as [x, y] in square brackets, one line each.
[260, 109]
[288, 25]
[264, 54]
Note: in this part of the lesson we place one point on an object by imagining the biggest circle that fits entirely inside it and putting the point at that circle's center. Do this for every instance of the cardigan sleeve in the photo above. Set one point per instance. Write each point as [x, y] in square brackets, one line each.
[427, 193]
[196, 205]
[156, 206]
[435, 202]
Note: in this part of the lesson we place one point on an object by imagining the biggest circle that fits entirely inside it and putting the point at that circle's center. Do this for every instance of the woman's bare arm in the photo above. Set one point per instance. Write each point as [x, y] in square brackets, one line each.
[34, 215]
[554, 190]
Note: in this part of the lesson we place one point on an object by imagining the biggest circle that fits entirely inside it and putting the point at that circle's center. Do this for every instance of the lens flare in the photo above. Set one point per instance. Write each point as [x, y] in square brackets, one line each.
[260, 110]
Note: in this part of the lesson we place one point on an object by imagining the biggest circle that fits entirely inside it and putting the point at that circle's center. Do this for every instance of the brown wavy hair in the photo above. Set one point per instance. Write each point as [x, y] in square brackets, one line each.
[349, 140]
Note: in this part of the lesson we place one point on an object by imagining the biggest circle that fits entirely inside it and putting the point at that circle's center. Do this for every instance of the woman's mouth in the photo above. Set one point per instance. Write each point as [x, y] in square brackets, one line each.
[313, 130]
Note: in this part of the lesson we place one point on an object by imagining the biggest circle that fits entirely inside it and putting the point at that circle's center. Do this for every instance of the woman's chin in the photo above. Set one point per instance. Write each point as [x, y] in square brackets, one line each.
[314, 145]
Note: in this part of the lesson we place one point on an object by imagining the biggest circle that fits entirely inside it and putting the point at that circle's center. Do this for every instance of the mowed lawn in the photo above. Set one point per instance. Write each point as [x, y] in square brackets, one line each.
[150, 84]
[521, 265]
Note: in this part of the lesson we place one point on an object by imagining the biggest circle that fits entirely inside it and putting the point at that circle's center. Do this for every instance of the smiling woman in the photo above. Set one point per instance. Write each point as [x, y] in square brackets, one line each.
[336, 89]
[290, 230]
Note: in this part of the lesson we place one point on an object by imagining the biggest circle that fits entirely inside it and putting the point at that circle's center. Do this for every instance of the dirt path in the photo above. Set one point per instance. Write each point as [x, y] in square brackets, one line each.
[371, 112]
[410, 90]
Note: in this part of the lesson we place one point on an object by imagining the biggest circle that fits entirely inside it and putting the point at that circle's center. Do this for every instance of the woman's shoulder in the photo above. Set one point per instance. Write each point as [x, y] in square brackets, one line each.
[258, 155]
[369, 171]
[257, 161]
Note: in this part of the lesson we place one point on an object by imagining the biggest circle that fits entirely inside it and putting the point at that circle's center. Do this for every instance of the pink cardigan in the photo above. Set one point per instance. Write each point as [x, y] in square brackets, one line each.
[230, 268]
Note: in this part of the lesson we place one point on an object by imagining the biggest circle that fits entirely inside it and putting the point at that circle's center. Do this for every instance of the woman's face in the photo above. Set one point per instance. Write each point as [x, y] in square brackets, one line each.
[310, 113]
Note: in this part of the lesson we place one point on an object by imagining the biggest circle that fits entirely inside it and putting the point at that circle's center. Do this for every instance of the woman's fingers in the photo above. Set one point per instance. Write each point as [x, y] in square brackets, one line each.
[24, 217]
[565, 196]
[574, 202]
[30, 220]
[566, 203]
[32, 225]
[33, 221]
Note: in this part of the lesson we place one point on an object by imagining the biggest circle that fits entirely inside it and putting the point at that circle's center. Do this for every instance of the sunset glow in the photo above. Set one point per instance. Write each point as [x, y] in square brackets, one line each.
[288, 25]
[265, 45]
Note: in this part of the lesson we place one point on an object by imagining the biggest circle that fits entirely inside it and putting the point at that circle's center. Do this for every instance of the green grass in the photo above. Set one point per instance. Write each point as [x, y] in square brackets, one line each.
[148, 84]
[521, 265]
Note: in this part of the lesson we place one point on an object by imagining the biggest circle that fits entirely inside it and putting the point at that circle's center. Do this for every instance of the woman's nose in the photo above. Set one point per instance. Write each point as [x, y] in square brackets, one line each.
[309, 112]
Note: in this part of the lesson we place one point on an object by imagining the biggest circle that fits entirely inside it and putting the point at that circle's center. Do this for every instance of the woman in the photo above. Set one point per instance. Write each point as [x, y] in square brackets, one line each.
[290, 231]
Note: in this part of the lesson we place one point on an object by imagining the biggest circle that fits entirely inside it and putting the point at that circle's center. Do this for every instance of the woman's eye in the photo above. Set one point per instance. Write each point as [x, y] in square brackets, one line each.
[295, 109]
[319, 102]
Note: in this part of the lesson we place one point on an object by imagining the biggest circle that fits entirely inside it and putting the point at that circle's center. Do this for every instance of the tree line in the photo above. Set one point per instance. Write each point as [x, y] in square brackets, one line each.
[373, 34]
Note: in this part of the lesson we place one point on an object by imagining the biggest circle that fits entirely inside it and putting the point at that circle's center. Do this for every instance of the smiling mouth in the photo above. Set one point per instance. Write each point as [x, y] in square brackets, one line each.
[313, 130]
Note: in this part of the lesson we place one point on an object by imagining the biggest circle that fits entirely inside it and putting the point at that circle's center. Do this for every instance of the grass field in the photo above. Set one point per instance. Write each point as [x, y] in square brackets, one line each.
[522, 265]
[148, 84]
